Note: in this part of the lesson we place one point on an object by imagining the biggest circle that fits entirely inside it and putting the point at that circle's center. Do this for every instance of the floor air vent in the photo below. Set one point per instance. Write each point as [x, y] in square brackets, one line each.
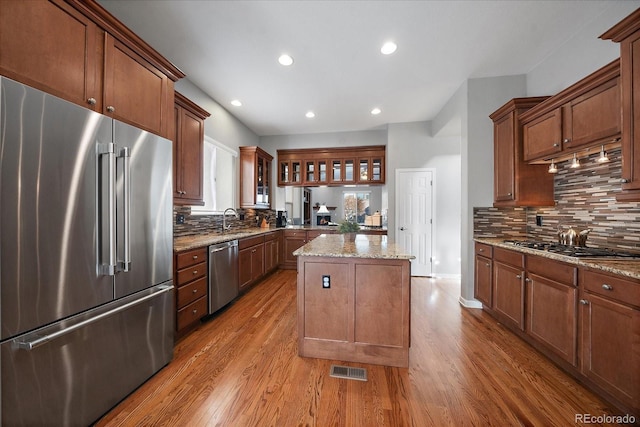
[349, 373]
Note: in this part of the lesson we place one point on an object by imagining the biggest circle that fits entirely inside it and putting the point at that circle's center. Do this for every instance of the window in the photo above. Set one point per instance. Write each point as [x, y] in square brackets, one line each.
[356, 206]
[219, 178]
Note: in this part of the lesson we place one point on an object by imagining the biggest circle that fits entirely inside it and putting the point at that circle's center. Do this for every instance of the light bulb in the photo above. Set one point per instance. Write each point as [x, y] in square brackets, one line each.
[552, 167]
[603, 156]
[575, 163]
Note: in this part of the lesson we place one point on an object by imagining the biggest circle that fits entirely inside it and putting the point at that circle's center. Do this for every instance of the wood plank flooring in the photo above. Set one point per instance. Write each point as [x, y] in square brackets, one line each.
[241, 368]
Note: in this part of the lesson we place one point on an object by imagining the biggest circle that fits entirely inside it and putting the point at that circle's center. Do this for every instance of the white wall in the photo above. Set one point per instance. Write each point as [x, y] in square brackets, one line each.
[411, 145]
[581, 55]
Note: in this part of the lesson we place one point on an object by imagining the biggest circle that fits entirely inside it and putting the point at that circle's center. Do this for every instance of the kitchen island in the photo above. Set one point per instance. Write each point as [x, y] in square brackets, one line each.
[354, 299]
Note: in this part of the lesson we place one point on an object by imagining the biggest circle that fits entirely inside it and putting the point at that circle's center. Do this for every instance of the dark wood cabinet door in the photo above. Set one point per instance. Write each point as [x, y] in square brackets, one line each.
[245, 273]
[257, 262]
[508, 293]
[483, 275]
[504, 158]
[291, 243]
[609, 346]
[136, 92]
[190, 159]
[52, 47]
[552, 315]
[594, 116]
[543, 136]
[630, 69]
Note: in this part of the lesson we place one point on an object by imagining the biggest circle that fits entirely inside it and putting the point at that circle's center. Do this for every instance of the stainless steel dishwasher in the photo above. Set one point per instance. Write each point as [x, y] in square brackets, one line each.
[223, 274]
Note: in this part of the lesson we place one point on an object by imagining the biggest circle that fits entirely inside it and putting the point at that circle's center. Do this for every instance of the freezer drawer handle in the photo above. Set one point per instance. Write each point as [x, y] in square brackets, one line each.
[30, 345]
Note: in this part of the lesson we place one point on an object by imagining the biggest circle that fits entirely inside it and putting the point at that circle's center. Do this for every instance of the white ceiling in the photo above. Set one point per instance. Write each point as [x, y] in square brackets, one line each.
[229, 49]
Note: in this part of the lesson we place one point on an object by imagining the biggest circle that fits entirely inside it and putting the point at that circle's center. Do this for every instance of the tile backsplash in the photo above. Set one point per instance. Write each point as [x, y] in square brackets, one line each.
[201, 224]
[585, 199]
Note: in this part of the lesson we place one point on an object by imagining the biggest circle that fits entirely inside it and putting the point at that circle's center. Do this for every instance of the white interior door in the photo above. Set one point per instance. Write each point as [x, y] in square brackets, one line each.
[414, 217]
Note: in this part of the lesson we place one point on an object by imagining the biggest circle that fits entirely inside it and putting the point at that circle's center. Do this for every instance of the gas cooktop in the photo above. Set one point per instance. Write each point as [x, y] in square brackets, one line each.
[573, 251]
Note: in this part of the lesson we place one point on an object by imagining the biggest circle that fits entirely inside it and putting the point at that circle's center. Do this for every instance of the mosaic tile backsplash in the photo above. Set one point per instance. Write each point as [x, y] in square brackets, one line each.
[585, 199]
[201, 224]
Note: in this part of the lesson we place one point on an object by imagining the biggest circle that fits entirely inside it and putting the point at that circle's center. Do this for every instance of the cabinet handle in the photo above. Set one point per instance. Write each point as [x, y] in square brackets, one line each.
[488, 265]
[509, 194]
[584, 302]
[607, 287]
[195, 257]
[91, 101]
[111, 108]
[556, 145]
[481, 250]
[518, 276]
[253, 251]
[527, 280]
[566, 141]
[195, 291]
[624, 180]
[195, 310]
[195, 271]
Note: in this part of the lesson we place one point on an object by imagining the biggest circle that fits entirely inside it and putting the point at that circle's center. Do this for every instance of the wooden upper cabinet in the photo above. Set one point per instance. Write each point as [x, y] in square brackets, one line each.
[76, 50]
[255, 178]
[52, 47]
[517, 183]
[332, 166]
[588, 113]
[627, 33]
[135, 91]
[188, 148]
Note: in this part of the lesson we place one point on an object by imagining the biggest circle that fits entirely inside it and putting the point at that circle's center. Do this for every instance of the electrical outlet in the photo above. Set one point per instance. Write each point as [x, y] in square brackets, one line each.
[326, 281]
[539, 220]
[179, 219]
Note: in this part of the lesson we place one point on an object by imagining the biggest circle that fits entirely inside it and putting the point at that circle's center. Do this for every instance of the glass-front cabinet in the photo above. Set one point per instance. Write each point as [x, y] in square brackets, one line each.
[332, 166]
[255, 176]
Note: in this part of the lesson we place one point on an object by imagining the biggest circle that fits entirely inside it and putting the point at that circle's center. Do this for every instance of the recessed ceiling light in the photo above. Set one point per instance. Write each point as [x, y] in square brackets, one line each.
[310, 114]
[285, 60]
[376, 111]
[236, 103]
[388, 48]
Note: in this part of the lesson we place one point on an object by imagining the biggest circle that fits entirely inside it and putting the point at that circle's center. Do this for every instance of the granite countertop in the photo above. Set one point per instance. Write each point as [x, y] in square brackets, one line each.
[184, 243]
[364, 246]
[622, 267]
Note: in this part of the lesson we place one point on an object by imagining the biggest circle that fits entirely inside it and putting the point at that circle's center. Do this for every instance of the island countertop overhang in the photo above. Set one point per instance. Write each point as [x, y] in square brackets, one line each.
[363, 246]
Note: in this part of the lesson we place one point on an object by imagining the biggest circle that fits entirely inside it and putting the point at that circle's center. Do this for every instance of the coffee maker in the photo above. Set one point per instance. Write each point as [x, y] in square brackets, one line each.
[281, 219]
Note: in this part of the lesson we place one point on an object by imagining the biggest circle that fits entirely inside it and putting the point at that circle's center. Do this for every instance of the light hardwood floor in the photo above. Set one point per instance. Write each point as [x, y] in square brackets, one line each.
[241, 368]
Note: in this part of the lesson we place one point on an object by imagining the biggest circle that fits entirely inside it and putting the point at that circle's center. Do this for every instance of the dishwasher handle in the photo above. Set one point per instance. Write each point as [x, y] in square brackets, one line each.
[222, 246]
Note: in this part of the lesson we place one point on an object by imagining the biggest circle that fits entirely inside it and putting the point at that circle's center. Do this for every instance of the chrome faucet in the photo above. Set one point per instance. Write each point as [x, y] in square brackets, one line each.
[225, 227]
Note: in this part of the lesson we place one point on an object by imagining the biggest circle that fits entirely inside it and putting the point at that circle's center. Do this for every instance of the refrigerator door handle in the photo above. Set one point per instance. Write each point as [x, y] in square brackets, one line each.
[125, 264]
[109, 268]
[29, 344]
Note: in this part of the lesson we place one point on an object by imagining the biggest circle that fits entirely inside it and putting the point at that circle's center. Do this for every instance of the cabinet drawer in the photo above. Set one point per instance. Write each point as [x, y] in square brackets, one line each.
[554, 270]
[616, 288]
[192, 313]
[192, 273]
[191, 292]
[506, 256]
[271, 236]
[295, 233]
[250, 241]
[484, 250]
[186, 259]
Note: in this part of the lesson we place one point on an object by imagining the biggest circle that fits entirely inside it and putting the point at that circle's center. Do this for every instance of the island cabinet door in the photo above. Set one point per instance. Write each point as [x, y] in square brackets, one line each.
[382, 305]
[327, 305]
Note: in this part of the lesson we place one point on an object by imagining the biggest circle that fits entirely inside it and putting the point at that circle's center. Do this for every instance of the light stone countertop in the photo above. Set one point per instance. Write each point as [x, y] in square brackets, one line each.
[364, 246]
[623, 267]
[184, 243]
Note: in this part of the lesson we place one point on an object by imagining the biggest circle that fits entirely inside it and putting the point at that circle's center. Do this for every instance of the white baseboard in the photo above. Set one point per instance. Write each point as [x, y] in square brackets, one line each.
[469, 303]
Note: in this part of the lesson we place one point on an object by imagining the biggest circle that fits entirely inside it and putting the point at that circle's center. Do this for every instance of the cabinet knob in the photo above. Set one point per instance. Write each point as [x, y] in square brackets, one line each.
[518, 276]
[509, 194]
[195, 271]
[195, 291]
[607, 287]
[195, 311]
[556, 145]
[111, 108]
[488, 265]
[624, 180]
[527, 280]
[584, 302]
[91, 101]
[481, 250]
[195, 257]
[566, 141]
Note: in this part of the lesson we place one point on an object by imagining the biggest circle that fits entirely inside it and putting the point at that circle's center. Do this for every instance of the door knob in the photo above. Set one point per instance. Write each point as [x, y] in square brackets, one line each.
[402, 228]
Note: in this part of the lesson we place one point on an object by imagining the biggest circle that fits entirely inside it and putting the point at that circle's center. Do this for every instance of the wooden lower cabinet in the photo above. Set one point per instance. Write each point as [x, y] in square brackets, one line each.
[191, 279]
[508, 286]
[610, 335]
[483, 289]
[250, 261]
[293, 239]
[272, 243]
[552, 297]
[362, 316]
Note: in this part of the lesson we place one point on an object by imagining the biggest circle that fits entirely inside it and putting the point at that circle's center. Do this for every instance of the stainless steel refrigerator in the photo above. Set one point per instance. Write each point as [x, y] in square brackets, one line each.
[86, 291]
